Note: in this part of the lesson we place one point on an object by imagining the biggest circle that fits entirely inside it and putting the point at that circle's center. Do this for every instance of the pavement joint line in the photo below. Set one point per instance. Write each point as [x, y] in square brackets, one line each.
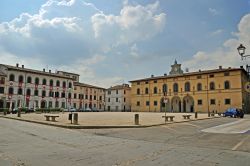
[239, 144]
[101, 127]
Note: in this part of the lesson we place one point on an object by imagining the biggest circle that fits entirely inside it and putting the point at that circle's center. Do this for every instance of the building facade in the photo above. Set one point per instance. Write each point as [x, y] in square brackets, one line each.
[202, 91]
[88, 97]
[35, 89]
[118, 98]
[2, 90]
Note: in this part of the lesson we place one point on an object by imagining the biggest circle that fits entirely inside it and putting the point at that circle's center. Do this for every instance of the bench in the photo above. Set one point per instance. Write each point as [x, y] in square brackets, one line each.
[171, 118]
[53, 117]
[186, 116]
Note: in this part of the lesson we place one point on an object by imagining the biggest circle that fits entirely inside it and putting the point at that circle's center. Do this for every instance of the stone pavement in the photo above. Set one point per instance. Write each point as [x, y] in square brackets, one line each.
[107, 119]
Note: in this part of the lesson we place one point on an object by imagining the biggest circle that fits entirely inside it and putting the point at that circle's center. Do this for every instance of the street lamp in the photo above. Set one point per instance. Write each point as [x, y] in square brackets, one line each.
[241, 49]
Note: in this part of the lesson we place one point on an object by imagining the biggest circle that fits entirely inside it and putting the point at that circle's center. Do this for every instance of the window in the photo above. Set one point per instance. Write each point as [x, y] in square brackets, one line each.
[227, 101]
[212, 102]
[138, 103]
[64, 84]
[226, 74]
[138, 83]
[116, 91]
[108, 99]
[12, 77]
[147, 103]
[94, 97]
[51, 82]
[109, 92]
[37, 81]
[2, 90]
[51, 94]
[70, 85]
[90, 97]
[86, 96]
[69, 95]
[155, 103]
[11, 91]
[146, 90]
[187, 87]
[43, 93]
[56, 94]
[116, 99]
[20, 91]
[226, 85]
[44, 81]
[2, 80]
[57, 104]
[146, 82]
[124, 91]
[199, 77]
[155, 81]
[199, 87]
[175, 87]
[63, 104]
[29, 80]
[57, 83]
[100, 97]
[124, 99]
[28, 92]
[165, 88]
[36, 93]
[212, 86]
[63, 94]
[20, 79]
[199, 102]
[75, 95]
[211, 76]
[138, 91]
[155, 90]
[50, 104]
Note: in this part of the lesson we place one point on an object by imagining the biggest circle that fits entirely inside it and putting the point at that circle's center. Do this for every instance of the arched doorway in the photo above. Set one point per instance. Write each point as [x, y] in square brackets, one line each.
[43, 104]
[1, 104]
[188, 104]
[176, 104]
[165, 106]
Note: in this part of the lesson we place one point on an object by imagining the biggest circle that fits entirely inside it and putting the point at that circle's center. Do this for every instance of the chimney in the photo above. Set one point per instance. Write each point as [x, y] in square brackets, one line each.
[49, 71]
[17, 65]
[165, 74]
[241, 67]
[220, 67]
[43, 70]
[199, 70]
[152, 76]
[22, 66]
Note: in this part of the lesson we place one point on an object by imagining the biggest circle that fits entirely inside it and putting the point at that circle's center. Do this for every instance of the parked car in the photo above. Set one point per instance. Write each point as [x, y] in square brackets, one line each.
[72, 109]
[234, 112]
[88, 110]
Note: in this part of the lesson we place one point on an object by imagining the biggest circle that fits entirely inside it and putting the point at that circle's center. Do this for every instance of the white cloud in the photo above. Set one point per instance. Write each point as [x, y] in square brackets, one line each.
[213, 11]
[227, 54]
[216, 32]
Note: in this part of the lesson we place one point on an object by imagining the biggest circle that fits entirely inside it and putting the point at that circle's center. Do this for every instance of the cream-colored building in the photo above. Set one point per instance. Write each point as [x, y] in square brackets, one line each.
[88, 97]
[2, 89]
[118, 98]
[201, 91]
[36, 89]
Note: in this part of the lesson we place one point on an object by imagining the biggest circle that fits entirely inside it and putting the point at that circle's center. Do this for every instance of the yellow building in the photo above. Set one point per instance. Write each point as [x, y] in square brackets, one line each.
[202, 91]
[88, 97]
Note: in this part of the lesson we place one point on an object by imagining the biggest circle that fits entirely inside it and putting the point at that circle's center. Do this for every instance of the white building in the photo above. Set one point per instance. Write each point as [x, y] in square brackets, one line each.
[117, 98]
[35, 89]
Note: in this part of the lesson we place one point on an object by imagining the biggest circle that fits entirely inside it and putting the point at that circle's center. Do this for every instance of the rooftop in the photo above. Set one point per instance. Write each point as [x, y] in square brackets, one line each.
[87, 85]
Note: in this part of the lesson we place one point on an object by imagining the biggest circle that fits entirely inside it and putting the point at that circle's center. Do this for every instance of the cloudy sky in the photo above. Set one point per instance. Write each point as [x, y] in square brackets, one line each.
[112, 42]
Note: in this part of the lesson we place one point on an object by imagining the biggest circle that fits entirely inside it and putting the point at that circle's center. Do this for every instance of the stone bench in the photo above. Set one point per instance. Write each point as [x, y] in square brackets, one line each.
[52, 117]
[171, 118]
[186, 116]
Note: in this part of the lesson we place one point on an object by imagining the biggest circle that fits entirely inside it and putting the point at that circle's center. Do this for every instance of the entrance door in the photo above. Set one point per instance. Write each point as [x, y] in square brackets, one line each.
[1, 104]
[43, 104]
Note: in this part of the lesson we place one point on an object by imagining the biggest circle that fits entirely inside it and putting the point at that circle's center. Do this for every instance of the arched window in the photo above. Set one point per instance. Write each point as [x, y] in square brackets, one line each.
[175, 87]
[11, 91]
[64, 84]
[58, 83]
[199, 87]
[187, 87]
[37, 81]
[155, 90]
[36, 92]
[28, 92]
[20, 79]
[227, 85]
[29, 80]
[165, 88]
[44, 81]
[20, 91]
[51, 83]
[70, 85]
[12, 77]
[43, 93]
[212, 86]
[138, 91]
[69, 95]
[146, 90]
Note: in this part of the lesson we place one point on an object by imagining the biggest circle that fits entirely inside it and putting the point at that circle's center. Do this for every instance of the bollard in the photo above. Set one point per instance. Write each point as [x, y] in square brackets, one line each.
[196, 115]
[208, 114]
[70, 117]
[19, 113]
[75, 120]
[136, 119]
[4, 112]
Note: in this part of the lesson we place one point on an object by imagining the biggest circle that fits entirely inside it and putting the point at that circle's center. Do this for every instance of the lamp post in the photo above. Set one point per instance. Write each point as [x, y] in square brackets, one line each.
[241, 50]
